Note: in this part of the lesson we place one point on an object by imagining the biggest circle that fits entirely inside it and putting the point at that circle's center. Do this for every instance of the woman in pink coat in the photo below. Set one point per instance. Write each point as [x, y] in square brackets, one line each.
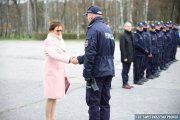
[54, 67]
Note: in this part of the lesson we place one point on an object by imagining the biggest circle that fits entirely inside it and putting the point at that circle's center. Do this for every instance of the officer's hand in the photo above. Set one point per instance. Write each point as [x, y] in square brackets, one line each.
[150, 55]
[125, 60]
[147, 52]
[88, 79]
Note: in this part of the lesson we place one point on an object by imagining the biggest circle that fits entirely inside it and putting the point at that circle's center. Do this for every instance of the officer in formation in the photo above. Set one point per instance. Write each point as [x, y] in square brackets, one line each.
[148, 59]
[155, 48]
[140, 53]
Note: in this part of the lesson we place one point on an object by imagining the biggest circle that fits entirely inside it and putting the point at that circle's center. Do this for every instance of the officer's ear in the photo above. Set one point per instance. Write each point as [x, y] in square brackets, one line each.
[93, 16]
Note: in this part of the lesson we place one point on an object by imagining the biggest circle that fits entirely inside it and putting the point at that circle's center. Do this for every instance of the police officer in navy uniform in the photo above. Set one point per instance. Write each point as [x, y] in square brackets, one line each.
[169, 46]
[167, 38]
[147, 59]
[160, 40]
[175, 31]
[163, 30]
[173, 44]
[98, 63]
[140, 52]
[170, 43]
[155, 51]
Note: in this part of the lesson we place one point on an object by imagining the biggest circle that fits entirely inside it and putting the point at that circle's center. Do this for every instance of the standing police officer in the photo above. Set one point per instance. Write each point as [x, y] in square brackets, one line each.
[140, 53]
[147, 59]
[173, 42]
[155, 51]
[160, 40]
[98, 63]
[167, 45]
[175, 31]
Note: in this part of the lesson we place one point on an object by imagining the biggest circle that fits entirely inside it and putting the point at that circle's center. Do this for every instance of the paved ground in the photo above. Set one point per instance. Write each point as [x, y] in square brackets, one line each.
[21, 88]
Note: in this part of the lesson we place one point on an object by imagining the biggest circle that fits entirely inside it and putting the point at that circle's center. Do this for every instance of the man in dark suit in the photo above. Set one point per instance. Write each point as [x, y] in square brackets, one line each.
[127, 56]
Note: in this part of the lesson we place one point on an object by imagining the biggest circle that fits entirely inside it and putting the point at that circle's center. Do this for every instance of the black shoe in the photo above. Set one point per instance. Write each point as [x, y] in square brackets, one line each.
[166, 66]
[143, 79]
[175, 60]
[139, 83]
[156, 75]
[150, 77]
[171, 62]
[153, 76]
[163, 68]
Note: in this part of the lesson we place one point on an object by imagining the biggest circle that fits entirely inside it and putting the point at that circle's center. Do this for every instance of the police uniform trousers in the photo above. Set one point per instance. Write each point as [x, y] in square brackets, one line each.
[144, 65]
[160, 60]
[163, 58]
[149, 68]
[138, 67]
[174, 52]
[171, 53]
[98, 101]
[154, 67]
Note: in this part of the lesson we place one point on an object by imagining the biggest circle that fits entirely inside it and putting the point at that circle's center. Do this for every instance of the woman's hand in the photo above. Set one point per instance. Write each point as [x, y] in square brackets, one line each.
[74, 60]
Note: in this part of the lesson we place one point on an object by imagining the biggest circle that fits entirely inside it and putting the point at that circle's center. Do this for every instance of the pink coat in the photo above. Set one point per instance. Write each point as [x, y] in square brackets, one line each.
[54, 66]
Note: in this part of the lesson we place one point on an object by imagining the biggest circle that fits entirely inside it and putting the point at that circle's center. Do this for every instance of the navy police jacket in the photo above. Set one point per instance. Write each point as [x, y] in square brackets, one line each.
[139, 44]
[147, 40]
[98, 59]
[154, 44]
[176, 34]
[160, 40]
[169, 39]
[165, 40]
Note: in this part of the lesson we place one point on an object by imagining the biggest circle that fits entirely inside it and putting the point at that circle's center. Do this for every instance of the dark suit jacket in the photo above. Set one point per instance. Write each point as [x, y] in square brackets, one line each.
[126, 46]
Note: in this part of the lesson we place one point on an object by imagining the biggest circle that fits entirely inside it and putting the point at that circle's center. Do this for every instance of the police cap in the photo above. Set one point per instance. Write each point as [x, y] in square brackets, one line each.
[94, 9]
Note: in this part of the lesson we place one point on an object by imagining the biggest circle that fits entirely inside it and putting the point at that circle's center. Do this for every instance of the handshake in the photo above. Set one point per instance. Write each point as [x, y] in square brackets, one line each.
[73, 60]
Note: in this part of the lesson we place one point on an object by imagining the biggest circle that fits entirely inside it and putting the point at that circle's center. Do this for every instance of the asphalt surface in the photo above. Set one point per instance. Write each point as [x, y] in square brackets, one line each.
[21, 87]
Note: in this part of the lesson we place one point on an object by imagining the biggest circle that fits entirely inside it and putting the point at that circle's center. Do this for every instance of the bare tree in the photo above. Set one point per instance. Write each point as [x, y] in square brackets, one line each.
[21, 17]
[64, 10]
[46, 14]
[121, 13]
[29, 22]
[172, 10]
[77, 16]
[34, 14]
[1, 18]
[18, 31]
[84, 24]
[92, 2]
[7, 19]
[145, 11]
[129, 10]
[116, 18]
[177, 16]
